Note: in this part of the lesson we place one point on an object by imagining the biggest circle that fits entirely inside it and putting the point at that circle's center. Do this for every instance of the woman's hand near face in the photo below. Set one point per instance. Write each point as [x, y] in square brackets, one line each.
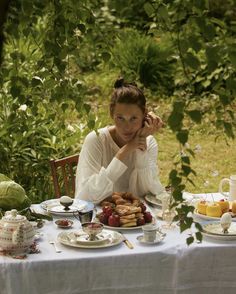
[152, 124]
[138, 142]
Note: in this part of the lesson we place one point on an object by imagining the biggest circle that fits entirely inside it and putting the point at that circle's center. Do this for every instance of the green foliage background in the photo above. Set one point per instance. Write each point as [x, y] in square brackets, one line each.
[183, 52]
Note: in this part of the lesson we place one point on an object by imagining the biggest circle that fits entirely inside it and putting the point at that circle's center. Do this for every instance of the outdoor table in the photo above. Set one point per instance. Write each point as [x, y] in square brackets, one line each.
[168, 267]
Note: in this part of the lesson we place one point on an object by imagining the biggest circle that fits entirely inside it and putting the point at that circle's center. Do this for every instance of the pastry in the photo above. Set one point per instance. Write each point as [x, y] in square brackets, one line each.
[214, 210]
[201, 207]
[130, 224]
[234, 206]
[224, 204]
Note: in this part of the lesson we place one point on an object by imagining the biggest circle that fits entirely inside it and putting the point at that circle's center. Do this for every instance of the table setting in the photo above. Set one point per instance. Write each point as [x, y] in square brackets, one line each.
[96, 257]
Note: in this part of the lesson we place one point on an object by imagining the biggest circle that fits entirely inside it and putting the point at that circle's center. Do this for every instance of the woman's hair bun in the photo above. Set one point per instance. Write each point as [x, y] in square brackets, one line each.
[119, 83]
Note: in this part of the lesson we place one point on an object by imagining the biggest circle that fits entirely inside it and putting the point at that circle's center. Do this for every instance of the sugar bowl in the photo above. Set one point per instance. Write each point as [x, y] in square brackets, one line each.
[16, 233]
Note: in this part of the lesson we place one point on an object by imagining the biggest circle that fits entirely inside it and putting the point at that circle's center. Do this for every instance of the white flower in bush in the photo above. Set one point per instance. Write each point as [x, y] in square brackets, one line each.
[23, 107]
[71, 128]
[215, 173]
[198, 148]
[187, 145]
[206, 183]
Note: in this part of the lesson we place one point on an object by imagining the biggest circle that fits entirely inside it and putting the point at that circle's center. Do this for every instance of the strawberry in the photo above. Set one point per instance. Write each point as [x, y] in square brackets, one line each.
[147, 216]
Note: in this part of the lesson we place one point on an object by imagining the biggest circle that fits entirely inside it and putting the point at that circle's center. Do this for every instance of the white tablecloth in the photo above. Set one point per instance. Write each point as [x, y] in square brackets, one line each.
[170, 267]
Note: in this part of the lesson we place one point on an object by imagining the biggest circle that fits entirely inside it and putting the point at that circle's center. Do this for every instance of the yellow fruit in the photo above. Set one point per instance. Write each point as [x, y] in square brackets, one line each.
[214, 210]
[224, 204]
[201, 207]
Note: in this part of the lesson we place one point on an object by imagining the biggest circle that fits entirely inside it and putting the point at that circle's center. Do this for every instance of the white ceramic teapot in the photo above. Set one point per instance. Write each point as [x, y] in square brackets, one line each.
[16, 233]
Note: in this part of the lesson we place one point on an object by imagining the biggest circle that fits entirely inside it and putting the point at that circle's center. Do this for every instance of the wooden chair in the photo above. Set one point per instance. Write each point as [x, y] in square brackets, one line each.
[63, 175]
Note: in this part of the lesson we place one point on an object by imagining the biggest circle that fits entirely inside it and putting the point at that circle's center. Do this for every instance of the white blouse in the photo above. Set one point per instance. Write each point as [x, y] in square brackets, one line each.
[99, 173]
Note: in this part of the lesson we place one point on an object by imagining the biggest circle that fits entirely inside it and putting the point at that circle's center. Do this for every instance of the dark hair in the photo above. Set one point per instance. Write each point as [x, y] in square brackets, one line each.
[127, 93]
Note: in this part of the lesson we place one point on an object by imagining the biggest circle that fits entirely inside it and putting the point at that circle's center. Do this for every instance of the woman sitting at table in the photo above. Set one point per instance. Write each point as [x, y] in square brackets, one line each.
[121, 157]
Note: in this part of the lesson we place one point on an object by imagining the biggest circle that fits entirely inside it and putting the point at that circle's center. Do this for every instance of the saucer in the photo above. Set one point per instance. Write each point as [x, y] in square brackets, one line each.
[143, 241]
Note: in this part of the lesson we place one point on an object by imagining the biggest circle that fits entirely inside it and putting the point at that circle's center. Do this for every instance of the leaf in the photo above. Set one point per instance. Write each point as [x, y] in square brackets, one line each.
[189, 240]
[149, 9]
[185, 159]
[87, 108]
[91, 124]
[231, 84]
[173, 174]
[192, 61]
[163, 12]
[209, 32]
[178, 106]
[212, 53]
[224, 99]
[106, 56]
[178, 195]
[195, 115]
[198, 226]
[182, 136]
[232, 57]
[175, 121]
[82, 28]
[15, 91]
[228, 129]
[198, 236]
[194, 41]
[36, 81]
[186, 169]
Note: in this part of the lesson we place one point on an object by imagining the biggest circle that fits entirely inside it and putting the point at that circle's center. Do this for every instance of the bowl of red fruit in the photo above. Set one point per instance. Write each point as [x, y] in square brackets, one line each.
[64, 223]
[92, 229]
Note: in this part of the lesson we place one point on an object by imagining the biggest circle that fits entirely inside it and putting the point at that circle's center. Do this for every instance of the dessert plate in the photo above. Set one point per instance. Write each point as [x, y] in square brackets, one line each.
[115, 238]
[152, 199]
[156, 241]
[206, 217]
[82, 238]
[54, 207]
[216, 229]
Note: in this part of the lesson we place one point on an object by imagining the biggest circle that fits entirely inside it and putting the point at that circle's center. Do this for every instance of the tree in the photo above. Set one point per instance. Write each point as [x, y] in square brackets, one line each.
[205, 83]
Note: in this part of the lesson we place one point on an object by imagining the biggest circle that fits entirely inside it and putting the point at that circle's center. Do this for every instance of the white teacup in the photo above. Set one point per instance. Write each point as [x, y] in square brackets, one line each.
[150, 233]
[232, 187]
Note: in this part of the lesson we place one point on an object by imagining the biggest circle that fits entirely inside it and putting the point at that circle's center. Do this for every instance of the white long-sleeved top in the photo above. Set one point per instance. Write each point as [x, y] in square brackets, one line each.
[99, 173]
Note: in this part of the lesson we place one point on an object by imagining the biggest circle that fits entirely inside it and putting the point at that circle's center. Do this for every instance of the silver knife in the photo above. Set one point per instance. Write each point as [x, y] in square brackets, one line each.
[127, 242]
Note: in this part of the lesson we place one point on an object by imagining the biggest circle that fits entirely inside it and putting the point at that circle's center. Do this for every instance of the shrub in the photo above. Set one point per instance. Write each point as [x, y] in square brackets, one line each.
[142, 58]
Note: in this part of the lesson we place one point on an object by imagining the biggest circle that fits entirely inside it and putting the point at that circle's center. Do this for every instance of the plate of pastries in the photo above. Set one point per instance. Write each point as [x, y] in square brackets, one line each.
[209, 210]
[123, 210]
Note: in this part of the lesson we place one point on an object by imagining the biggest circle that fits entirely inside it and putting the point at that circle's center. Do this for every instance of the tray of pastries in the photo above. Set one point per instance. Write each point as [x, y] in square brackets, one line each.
[208, 210]
[123, 210]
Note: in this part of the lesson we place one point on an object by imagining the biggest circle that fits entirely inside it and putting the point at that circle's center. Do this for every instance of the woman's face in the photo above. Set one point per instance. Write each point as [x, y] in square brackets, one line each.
[128, 119]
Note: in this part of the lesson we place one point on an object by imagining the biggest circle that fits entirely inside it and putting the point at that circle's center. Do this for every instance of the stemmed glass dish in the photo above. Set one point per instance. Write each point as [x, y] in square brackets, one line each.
[168, 213]
[92, 229]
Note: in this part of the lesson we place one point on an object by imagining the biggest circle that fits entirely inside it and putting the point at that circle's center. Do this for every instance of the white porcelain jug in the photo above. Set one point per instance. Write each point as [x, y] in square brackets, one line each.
[232, 187]
[16, 233]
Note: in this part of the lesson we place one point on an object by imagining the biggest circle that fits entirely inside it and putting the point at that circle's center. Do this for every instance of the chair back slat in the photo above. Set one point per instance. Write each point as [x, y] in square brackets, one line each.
[63, 175]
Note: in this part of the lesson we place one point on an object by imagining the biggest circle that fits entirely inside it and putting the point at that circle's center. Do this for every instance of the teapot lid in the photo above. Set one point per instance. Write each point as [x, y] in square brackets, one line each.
[13, 216]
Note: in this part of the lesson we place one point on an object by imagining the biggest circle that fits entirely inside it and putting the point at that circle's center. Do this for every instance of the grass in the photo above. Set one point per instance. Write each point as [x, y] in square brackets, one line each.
[213, 162]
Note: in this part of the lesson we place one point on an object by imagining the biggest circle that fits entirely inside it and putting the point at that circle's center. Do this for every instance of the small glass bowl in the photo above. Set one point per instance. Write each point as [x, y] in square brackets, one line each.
[92, 229]
[64, 223]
